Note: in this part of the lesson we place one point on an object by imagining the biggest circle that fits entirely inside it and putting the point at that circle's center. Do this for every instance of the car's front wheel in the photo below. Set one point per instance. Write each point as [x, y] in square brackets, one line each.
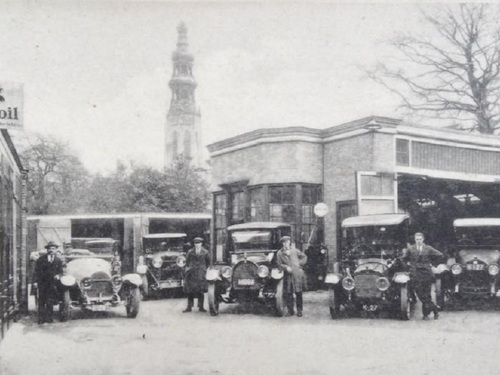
[334, 303]
[405, 307]
[280, 301]
[133, 301]
[145, 287]
[213, 300]
[64, 307]
[440, 302]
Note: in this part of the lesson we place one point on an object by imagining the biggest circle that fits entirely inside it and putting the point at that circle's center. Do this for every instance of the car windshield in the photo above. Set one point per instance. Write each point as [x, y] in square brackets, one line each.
[375, 240]
[257, 239]
[154, 245]
[478, 236]
[101, 247]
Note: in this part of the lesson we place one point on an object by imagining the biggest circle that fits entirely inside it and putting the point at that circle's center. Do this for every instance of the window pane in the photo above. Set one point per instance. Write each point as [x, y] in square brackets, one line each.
[275, 194]
[289, 194]
[402, 152]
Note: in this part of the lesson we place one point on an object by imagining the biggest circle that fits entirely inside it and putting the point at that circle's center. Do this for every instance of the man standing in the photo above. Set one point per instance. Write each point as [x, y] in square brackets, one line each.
[291, 261]
[195, 283]
[48, 270]
[420, 258]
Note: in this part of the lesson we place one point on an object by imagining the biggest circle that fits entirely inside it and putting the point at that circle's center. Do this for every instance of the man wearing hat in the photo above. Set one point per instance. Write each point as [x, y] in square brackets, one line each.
[195, 283]
[290, 261]
[48, 270]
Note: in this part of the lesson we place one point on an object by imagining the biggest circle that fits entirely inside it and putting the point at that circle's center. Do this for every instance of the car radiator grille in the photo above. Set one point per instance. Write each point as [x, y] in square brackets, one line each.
[476, 282]
[101, 285]
[170, 271]
[366, 286]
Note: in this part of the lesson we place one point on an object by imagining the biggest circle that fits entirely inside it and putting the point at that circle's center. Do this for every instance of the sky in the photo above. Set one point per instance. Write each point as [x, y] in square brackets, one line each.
[96, 74]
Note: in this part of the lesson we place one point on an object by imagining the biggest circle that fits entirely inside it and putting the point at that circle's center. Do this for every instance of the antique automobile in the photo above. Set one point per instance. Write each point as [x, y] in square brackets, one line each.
[163, 263]
[370, 276]
[475, 267]
[91, 283]
[250, 271]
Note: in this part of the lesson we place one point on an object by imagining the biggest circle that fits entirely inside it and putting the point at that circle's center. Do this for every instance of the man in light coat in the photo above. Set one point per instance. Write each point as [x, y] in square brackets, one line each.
[291, 260]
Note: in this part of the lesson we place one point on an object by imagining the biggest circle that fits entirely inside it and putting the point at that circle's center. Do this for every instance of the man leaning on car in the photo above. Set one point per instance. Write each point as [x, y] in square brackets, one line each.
[48, 270]
[420, 258]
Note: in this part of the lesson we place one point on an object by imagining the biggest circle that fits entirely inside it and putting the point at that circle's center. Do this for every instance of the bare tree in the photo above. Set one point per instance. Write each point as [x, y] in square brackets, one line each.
[455, 72]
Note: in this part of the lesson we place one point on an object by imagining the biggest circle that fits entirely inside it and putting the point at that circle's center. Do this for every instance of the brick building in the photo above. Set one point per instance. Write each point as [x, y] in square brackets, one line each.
[372, 165]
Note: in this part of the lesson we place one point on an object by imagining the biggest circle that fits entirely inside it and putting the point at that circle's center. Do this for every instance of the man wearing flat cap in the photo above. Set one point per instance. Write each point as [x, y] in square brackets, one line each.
[291, 260]
[195, 283]
[48, 270]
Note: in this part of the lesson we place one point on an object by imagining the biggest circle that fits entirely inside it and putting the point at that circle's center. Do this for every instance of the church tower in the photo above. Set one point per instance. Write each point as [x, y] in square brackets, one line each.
[183, 127]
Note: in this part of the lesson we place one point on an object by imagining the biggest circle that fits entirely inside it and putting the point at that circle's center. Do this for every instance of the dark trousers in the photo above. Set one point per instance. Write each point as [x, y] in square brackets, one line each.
[45, 305]
[192, 296]
[289, 301]
[423, 291]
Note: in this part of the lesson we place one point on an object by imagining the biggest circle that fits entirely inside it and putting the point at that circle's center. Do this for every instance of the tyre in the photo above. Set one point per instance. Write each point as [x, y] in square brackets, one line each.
[64, 307]
[145, 287]
[133, 301]
[213, 300]
[334, 303]
[404, 303]
[280, 302]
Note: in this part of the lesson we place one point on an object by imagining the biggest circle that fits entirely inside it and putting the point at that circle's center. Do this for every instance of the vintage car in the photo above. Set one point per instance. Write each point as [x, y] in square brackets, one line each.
[475, 266]
[90, 282]
[369, 276]
[250, 271]
[163, 263]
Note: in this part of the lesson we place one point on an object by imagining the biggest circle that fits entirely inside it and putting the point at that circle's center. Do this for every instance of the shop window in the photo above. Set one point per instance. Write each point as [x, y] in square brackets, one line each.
[377, 185]
[238, 206]
[403, 152]
[310, 196]
[257, 205]
[282, 205]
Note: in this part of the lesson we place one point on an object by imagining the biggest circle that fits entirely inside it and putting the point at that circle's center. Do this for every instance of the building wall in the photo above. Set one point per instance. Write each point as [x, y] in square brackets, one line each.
[269, 163]
[343, 158]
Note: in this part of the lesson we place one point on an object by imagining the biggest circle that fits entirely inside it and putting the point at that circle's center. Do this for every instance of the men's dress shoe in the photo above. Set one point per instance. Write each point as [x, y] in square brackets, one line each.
[425, 317]
[299, 314]
[202, 309]
[187, 310]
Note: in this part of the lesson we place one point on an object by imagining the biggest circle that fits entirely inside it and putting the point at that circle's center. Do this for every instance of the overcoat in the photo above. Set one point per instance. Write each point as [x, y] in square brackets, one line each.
[295, 281]
[45, 273]
[196, 269]
[421, 262]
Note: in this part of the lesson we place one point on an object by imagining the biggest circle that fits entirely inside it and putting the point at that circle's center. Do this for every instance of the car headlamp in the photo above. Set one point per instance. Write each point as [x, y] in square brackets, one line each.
[117, 280]
[226, 272]
[348, 283]
[383, 284]
[456, 269]
[181, 261]
[323, 251]
[86, 282]
[493, 269]
[157, 262]
[262, 271]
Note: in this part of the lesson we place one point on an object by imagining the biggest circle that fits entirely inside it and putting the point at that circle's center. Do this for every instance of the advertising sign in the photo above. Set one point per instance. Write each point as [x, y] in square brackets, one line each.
[11, 105]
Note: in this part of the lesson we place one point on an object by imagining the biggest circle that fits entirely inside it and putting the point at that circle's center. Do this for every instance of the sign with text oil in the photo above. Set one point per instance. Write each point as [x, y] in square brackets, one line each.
[11, 105]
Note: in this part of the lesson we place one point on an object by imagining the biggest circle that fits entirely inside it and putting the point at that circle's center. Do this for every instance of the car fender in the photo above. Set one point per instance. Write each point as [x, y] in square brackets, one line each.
[401, 277]
[333, 278]
[67, 281]
[213, 274]
[440, 269]
[132, 279]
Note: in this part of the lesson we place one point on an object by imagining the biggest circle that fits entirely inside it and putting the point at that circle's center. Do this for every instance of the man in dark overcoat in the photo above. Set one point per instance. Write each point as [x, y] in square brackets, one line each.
[420, 257]
[48, 270]
[195, 283]
[291, 260]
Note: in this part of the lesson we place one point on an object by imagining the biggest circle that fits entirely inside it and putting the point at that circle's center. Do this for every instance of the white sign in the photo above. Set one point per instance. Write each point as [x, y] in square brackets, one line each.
[320, 209]
[11, 105]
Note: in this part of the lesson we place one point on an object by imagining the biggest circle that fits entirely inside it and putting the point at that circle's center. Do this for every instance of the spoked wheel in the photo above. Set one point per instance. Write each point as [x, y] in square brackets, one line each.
[405, 307]
[334, 303]
[133, 301]
[280, 302]
[64, 307]
[213, 300]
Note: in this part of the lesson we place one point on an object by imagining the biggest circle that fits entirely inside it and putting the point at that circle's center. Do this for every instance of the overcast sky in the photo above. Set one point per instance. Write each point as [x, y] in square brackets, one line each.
[96, 74]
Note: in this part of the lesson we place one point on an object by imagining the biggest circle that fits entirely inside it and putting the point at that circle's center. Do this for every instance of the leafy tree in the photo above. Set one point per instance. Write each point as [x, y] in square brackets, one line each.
[57, 180]
[454, 71]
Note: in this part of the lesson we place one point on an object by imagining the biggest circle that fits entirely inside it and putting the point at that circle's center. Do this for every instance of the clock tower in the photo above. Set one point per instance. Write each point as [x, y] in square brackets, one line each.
[183, 127]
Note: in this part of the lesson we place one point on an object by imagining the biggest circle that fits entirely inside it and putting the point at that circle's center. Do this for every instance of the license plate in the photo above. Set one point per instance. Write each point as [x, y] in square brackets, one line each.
[246, 282]
[169, 283]
[475, 267]
[98, 307]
